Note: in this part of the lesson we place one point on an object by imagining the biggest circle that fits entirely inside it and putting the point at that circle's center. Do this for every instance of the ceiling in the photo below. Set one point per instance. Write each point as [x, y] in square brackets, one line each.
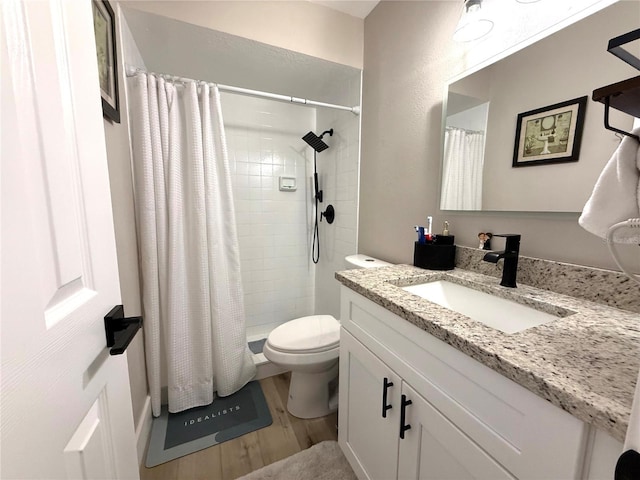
[357, 8]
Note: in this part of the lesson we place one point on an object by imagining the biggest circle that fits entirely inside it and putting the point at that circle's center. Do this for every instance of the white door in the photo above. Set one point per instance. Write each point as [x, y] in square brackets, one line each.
[66, 404]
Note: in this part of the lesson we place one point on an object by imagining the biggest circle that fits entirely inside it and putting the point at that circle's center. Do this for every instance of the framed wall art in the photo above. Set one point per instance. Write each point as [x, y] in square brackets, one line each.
[105, 37]
[550, 134]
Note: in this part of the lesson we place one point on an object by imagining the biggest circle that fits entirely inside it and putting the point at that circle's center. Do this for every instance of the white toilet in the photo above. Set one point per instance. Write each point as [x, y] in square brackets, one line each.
[309, 347]
[364, 261]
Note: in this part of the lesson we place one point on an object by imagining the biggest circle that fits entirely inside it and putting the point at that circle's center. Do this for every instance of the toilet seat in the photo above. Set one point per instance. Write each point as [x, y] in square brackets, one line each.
[312, 334]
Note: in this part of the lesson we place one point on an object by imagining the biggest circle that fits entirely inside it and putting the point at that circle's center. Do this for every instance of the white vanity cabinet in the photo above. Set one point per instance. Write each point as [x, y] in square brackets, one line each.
[435, 448]
[372, 436]
[466, 420]
[431, 447]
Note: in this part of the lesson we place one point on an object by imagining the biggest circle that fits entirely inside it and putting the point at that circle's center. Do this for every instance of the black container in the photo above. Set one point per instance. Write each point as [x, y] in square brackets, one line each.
[444, 239]
[434, 257]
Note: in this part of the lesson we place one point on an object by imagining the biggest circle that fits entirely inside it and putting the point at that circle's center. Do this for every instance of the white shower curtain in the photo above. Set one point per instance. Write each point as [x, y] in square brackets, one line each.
[194, 322]
[463, 163]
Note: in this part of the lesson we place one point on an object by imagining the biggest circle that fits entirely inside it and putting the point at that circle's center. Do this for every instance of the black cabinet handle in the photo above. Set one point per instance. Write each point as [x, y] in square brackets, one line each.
[386, 384]
[120, 330]
[403, 415]
[628, 466]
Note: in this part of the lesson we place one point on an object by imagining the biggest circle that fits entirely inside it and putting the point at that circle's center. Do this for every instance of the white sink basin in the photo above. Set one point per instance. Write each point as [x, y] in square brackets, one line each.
[504, 315]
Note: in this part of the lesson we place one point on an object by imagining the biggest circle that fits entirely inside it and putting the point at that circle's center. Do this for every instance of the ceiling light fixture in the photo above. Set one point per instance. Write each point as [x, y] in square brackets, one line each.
[473, 24]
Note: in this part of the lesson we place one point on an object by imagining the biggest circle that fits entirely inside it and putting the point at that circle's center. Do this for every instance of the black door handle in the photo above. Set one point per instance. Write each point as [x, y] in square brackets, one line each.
[385, 385]
[120, 330]
[403, 415]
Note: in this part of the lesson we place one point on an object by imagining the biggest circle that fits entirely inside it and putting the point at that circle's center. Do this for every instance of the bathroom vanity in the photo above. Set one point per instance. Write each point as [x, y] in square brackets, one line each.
[427, 392]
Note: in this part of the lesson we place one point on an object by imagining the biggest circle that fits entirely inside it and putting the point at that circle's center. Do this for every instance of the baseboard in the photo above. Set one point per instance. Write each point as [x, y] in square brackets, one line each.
[143, 432]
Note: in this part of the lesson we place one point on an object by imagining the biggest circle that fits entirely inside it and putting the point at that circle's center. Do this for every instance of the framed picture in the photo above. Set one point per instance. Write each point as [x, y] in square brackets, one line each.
[550, 134]
[105, 35]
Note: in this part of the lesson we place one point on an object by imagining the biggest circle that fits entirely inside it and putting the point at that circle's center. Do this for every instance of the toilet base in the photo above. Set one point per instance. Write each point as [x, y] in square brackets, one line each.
[313, 395]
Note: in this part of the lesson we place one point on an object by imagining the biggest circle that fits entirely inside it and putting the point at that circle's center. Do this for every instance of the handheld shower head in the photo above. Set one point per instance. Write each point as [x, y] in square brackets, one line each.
[318, 145]
[316, 142]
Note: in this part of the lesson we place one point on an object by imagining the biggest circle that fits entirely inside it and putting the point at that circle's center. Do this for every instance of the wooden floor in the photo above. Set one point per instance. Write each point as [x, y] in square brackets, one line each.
[229, 460]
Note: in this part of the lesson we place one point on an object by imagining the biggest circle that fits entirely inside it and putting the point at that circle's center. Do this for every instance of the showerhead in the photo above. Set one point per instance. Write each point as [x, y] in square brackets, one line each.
[316, 142]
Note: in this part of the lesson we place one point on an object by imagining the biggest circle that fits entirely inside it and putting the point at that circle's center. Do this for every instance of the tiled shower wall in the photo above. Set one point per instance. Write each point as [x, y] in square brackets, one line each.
[338, 178]
[264, 138]
[338, 171]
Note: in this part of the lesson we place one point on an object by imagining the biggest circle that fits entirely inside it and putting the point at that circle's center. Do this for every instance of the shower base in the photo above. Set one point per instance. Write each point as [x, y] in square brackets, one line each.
[265, 368]
[256, 346]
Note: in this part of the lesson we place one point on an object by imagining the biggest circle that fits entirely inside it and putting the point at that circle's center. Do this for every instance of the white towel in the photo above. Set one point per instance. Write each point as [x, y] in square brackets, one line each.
[616, 195]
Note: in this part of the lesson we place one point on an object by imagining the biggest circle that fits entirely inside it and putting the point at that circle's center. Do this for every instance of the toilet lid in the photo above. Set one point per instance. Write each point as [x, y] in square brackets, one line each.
[315, 333]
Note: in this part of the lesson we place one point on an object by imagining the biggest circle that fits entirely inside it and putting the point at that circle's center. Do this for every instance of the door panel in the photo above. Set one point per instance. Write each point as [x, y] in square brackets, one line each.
[363, 433]
[435, 449]
[89, 455]
[66, 405]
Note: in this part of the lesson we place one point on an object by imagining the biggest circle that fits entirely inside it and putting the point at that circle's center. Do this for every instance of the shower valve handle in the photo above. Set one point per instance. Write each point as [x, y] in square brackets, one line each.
[329, 214]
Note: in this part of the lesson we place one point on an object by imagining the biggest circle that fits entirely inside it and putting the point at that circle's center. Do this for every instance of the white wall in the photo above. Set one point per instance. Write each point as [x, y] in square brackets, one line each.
[118, 157]
[474, 118]
[409, 57]
[295, 25]
[265, 142]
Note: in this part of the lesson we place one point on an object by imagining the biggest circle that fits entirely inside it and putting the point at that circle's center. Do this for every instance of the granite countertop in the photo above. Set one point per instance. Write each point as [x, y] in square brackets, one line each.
[585, 362]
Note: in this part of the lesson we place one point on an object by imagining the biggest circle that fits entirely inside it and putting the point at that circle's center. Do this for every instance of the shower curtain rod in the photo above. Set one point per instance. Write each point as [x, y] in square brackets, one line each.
[466, 130]
[132, 71]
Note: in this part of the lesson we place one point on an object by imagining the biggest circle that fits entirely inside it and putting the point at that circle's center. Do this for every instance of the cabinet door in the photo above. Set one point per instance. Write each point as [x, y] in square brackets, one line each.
[434, 448]
[368, 439]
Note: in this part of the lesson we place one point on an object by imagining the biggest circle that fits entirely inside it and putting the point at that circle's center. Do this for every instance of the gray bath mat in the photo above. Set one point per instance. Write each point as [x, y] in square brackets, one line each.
[257, 346]
[323, 461]
[174, 435]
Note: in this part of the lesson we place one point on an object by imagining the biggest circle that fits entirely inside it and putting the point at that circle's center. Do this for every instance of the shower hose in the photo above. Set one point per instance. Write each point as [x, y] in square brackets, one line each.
[315, 246]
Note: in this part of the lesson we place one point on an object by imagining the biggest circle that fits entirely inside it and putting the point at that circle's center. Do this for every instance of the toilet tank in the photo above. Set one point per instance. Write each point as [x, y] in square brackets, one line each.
[364, 261]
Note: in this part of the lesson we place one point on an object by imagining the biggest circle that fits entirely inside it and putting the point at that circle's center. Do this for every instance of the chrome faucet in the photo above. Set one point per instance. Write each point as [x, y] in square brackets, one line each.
[510, 255]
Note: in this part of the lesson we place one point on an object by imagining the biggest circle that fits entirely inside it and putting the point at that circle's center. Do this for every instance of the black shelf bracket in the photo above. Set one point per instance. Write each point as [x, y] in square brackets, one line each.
[607, 100]
[120, 330]
[625, 95]
[615, 47]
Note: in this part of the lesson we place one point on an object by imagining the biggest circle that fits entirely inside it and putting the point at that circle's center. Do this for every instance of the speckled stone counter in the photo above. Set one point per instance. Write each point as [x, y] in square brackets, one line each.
[586, 361]
[610, 288]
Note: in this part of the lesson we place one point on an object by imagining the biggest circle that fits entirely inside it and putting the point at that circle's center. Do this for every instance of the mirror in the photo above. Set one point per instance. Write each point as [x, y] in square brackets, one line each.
[481, 112]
